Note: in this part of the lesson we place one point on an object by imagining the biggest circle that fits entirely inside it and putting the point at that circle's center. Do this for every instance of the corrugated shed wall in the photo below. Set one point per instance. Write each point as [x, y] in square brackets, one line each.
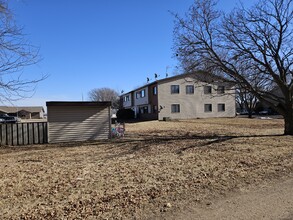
[78, 123]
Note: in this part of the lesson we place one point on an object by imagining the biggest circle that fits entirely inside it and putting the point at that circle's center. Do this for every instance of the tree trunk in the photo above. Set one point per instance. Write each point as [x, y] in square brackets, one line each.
[288, 118]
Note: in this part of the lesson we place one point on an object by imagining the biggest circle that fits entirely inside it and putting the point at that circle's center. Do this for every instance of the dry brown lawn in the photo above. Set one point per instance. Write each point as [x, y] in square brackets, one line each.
[156, 169]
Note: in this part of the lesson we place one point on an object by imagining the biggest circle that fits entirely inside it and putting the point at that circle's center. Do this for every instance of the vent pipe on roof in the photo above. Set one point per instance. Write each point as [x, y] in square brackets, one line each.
[167, 67]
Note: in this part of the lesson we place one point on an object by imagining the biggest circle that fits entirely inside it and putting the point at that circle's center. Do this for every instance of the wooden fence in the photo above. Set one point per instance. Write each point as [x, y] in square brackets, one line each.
[24, 133]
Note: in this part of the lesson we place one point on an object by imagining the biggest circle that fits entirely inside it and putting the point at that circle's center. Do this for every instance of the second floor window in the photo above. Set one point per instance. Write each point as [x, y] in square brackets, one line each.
[154, 90]
[142, 93]
[221, 89]
[207, 89]
[174, 89]
[126, 98]
[189, 89]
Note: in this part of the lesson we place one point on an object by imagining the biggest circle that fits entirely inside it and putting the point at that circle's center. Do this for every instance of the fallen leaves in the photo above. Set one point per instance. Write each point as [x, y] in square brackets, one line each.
[157, 167]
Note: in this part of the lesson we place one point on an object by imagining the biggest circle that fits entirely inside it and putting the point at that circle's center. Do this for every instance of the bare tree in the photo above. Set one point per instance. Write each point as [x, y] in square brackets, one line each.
[241, 46]
[15, 54]
[246, 100]
[105, 94]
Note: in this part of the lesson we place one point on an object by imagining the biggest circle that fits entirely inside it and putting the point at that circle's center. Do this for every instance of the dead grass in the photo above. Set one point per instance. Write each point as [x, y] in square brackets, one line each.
[157, 165]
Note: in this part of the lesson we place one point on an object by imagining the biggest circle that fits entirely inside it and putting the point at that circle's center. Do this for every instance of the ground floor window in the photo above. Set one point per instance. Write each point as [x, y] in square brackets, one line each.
[155, 109]
[221, 107]
[143, 110]
[208, 108]
[175, 108]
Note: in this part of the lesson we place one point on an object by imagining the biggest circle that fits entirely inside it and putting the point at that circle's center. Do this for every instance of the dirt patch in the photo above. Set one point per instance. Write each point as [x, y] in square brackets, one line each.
[159, 168]
[267, 202]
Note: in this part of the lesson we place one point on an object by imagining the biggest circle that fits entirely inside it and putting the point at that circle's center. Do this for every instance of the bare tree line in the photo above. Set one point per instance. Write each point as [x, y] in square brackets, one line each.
[105, 94]
[249, 47]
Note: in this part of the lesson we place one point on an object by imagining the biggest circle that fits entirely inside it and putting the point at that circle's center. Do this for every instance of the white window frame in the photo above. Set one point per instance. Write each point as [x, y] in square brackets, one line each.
[188, 90]
[155, 90]
[207, 89]
[175, 108]
[174, 89]
[221, 90]
[221, 107]
[142, 93]
[208, 108]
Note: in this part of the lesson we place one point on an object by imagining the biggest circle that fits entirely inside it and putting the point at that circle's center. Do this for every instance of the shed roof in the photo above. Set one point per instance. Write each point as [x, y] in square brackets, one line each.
[77, 103]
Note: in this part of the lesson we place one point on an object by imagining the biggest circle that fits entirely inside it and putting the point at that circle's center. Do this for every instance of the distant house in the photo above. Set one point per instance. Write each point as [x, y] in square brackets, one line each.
[183, 96]
[24, 112]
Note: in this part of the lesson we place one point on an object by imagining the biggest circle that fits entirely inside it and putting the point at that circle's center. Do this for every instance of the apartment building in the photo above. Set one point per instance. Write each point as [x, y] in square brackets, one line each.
[184, 96]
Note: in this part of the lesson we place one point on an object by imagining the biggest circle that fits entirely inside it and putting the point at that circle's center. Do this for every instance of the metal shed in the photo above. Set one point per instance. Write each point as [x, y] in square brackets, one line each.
[78, 121]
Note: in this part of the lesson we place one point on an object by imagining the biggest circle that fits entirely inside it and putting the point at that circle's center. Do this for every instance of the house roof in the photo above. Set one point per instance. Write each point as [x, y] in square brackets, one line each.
[199, 76]
[13, 109]
[77, 103]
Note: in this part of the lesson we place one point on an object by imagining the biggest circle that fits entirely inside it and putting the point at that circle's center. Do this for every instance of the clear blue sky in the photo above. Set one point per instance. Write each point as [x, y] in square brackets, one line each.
[98, 43]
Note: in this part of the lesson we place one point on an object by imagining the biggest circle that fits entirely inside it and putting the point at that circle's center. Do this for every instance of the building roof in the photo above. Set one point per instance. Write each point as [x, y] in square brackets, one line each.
[199, 76]
[13, 109]
[77, 103]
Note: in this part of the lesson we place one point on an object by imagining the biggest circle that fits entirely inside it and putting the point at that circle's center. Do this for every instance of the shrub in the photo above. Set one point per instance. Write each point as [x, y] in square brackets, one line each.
[125, 114]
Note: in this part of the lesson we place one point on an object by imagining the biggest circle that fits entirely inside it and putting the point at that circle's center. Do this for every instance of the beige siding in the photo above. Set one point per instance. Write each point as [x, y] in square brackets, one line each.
[192, 105]
[78, 123]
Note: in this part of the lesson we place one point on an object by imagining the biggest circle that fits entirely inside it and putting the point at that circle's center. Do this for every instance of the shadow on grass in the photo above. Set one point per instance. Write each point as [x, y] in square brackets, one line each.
[40, 147]
[135, 143]
[144, 142]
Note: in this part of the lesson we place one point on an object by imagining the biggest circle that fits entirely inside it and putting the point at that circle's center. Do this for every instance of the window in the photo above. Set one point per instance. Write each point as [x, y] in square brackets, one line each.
[155, 109]
[174, 89]
[142, 93]
[126, 98]
[208, 108]
[189, 89]
[143, 110]
[207, 89]
[221, 89]
[175, 108]
[221, 107]
[154, 90]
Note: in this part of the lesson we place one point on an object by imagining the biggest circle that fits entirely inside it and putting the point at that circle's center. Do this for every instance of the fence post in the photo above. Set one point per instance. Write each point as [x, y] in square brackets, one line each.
[38, 133]
[46, 135]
